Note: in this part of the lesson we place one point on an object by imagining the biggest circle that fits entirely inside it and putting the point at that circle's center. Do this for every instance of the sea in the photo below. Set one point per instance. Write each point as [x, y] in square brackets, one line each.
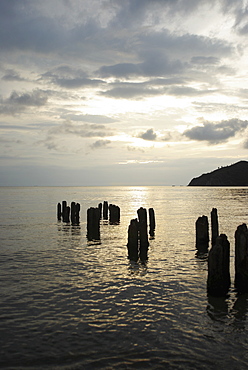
[70, 303]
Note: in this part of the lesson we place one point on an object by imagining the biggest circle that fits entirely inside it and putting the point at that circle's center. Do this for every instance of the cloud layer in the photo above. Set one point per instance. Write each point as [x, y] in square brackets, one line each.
[96, 82]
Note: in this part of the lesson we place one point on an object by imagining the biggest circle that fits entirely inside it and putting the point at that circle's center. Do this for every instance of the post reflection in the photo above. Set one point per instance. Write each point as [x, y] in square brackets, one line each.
[223, 308]
[137, 268]
[239, 310]
[69, 235]
[217, 308]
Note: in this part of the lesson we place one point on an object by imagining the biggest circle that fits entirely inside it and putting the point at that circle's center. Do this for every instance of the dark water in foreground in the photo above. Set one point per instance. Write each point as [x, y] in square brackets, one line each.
[69, 304]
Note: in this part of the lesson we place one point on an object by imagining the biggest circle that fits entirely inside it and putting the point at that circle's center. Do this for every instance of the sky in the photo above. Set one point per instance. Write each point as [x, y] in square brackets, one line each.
[121, 92]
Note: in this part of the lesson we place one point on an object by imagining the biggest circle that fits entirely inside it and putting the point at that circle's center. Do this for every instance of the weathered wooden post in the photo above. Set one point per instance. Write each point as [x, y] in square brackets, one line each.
[77, 210]
[93, 224]
[241, 259]
[105, 210]
[132, 244]
[66, 215]
[152, 224]
[114, 214]
[218, 281]
[64, 205]
[202, 234]
[143, 236]
[100, 209]
[59, 212]
[73, 213]
[214, 225]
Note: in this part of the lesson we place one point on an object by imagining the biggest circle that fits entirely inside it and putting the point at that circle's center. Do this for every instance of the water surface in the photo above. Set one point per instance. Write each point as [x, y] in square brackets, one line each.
[72, 304]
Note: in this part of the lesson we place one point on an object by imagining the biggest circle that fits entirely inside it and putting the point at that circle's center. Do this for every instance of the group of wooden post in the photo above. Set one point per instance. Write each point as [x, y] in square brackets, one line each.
[68, 214]
[219, 281]
[138, 236]
[104, 211]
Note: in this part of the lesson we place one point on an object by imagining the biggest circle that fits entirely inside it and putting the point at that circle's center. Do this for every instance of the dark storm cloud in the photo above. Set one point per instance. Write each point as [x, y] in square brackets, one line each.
[18, 102]
[148, 135]
[215, 133]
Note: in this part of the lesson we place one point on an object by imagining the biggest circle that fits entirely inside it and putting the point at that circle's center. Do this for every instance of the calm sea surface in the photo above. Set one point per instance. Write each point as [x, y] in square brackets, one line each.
[66, 303]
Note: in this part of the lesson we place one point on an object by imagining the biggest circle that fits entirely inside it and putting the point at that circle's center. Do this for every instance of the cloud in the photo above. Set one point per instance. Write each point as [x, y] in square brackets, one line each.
[130, 91]
[148, 135]
[91, 118]
[11, 75]
[70, 78]
[153, 87]
[18, 102]
[100, 144]
[202, 60]
[215, 133]
[83, 130]
[156, 64]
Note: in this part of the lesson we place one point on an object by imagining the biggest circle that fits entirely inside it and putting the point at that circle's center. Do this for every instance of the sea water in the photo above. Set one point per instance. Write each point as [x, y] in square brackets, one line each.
[66, 303]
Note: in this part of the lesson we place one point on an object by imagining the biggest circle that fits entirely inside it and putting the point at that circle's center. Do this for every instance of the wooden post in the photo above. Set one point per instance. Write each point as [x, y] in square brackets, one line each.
[77, 210]
[218, 281]
[214, 225]
[73, 213]
[152, 224]
[59, 212]
[105, 210]
[66, 215]
[241, 259]
[202, 234]
[132, 244]
[143, 236]
[114, 214]
[100, 209]
[64, 205]
[93, 224]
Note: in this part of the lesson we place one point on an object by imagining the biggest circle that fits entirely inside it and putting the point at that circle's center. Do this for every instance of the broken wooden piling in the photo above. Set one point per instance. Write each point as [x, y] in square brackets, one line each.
[64, 212]
[105, 210]
[114, 214]
[75, 209]
[202, 234]
[68, 213]
[218, 281]
[214, 226]
[100, 209]
[93, 224]
[152, 224]
[143, 235]
[133, 244]
[241, 259]
[59, 211]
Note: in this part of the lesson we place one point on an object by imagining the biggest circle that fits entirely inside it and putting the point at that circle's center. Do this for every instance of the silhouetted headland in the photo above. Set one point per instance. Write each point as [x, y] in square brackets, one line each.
[233, 175]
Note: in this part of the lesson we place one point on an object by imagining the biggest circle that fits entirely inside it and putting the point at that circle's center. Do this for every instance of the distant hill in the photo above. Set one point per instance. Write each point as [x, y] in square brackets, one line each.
[233, 175]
